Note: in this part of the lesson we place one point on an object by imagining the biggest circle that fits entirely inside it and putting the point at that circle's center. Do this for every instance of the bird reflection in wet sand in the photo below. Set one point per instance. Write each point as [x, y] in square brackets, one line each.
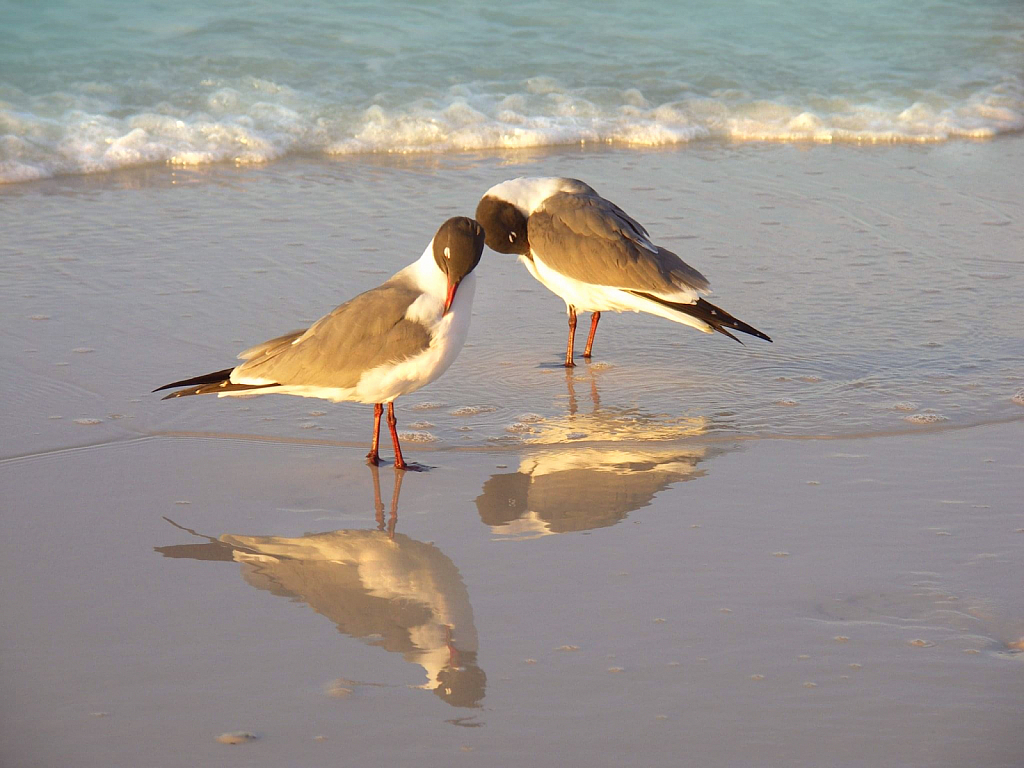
[578, 486]
[577, 489]
[394, 592]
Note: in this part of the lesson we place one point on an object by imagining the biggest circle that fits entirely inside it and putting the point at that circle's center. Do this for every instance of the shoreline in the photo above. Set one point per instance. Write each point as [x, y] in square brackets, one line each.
[427, 447]
[163, 171]
[150, 173]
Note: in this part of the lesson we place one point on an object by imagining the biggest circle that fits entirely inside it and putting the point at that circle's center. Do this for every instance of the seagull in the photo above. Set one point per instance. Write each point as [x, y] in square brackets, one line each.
[387, 342]
[596, 257]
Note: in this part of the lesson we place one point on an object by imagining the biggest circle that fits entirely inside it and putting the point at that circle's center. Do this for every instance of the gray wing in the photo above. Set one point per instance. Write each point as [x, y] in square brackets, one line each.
[271, 347]
[361, 334]
[591, 239]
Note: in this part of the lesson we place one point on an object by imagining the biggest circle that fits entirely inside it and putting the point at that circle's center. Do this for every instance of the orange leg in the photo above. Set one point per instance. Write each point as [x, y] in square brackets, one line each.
[572, 336]
[400, 463]
[392, 425]
[373, 457]
[593, 329]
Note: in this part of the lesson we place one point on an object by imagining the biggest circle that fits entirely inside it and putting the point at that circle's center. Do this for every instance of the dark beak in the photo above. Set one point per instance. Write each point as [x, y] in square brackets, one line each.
[452, 287]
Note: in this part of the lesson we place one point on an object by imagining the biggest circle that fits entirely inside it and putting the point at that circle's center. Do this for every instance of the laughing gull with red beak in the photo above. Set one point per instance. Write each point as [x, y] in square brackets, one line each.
[387, 342]
[596, 257]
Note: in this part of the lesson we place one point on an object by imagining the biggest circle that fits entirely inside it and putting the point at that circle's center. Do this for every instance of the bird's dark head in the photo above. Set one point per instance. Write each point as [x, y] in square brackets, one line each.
[504, 224]
[457, 246]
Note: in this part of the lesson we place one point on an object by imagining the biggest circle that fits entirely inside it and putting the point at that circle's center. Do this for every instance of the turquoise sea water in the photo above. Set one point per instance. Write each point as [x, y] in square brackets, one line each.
[95, 86]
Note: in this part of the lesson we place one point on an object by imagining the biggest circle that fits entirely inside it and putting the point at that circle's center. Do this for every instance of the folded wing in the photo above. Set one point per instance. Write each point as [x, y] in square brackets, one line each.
[590, 239]
[361, 334]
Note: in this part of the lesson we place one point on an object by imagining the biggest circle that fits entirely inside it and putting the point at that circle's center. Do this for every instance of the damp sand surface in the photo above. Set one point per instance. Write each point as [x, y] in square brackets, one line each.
[847, 603]
[800, 552]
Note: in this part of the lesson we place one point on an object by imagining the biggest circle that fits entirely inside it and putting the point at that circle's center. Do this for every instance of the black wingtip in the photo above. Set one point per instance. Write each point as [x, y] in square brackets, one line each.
[206, 378]
[754, 332]
[726, 333]
[180, 393]
[715, 317]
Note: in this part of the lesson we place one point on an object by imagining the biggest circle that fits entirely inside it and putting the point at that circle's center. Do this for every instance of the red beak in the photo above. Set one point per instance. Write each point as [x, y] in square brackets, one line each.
[452, 287]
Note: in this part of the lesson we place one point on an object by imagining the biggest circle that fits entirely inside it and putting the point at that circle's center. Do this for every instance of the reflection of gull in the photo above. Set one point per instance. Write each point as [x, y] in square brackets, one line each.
[578, 486]
[576, 489]
[403, 595]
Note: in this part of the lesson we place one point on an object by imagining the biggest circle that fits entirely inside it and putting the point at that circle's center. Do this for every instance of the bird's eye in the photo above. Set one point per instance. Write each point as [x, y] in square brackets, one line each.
[447, 252]
[511, 237]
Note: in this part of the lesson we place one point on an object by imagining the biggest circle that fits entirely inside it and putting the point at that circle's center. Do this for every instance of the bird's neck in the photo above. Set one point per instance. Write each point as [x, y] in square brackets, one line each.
[425, 274]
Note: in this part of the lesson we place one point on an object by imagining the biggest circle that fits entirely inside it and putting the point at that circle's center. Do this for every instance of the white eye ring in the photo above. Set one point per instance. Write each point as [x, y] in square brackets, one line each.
[447, 252]
[511, 237]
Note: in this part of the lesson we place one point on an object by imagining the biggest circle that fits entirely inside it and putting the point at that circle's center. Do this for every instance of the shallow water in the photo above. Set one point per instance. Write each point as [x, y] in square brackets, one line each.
[882, 275]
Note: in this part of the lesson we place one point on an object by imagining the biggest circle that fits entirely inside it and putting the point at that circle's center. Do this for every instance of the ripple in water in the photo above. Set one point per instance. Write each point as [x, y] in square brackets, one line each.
[473, 410]
[417, 437]
[904, 406]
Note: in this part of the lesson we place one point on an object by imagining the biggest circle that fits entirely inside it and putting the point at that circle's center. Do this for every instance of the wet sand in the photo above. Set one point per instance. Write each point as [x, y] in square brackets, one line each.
[849, 603]
[687, 550]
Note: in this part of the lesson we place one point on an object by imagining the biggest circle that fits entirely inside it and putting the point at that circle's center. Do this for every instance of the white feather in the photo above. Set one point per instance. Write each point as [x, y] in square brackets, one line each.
[528, 194]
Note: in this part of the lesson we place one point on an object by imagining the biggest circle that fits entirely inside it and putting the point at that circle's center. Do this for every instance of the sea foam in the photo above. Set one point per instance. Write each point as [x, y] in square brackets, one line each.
[253, 120]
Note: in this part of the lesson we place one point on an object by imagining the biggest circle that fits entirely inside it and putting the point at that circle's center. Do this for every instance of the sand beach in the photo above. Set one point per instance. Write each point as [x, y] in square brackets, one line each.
[712, 554]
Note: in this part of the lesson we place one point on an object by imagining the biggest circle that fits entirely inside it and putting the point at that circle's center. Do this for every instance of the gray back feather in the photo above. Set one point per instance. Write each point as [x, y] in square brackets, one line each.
[361, 334]
[591, 239]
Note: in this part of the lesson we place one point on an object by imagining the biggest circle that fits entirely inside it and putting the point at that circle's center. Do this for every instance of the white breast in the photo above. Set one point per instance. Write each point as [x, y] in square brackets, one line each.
[586, 297]
[448, 334]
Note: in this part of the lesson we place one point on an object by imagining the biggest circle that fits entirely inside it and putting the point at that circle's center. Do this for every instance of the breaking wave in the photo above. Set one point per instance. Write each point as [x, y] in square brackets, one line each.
[253, 120]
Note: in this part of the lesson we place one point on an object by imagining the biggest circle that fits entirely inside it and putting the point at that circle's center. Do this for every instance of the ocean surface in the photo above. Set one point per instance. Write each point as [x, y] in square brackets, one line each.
[104, 85]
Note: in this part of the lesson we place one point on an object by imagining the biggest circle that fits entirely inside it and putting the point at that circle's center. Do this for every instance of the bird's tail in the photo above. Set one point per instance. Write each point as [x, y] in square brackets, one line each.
[706, 312]
[208, 384]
